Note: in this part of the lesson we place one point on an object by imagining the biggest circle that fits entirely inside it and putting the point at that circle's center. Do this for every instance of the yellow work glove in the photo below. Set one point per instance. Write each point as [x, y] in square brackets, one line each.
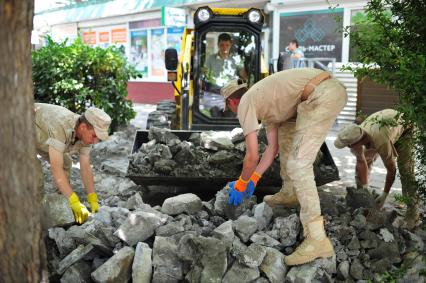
[92, 199]
[80, 211]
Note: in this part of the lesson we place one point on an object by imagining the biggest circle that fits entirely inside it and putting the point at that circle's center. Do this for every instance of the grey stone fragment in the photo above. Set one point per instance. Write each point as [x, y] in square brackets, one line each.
[185, 203]
[138, 227]
[169, 229]
[80, 236]
[414, 261]
[263, 214]
[356, 270]
[238, 248]
[64, 243]
[261, 280]
[386, 250]
[381, 265]
[356, 198]
[164, 166]
[56, 211]
[118, 215]
[368, 239]
[359, 221]
[253, 255]
[216, 140]
[116, 269]
[343, 270]
[221, 157]
[414, 242]
[77, 273]
[115, 166]
[241, 273]
[167, 265]
[312, 271]
[261, 238]
[76, 255]
[103, 215]
[273, 266]
[288, 228]
[185, 153]
[386, 235]
[354, 244]
[225, 233]
[222, 208]
[237, 135]
[142, 264]
[241, 146]
[245, 227]
[134, 202]
[161, 135]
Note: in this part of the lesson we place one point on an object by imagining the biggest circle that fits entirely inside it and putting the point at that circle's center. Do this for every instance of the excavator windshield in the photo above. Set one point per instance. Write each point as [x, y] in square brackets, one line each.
[225, 55]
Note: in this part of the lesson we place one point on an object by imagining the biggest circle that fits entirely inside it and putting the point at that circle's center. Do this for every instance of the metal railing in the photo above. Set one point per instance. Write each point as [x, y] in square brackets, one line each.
[324, 63]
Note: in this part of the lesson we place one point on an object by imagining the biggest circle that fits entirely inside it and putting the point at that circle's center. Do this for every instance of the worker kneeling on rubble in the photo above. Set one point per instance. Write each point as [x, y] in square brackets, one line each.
[384, 134]
[298, 107]
[59, 133]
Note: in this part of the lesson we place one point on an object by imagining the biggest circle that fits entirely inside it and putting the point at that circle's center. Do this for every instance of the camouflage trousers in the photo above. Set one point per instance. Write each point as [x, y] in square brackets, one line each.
[40, 175]
[300, 141]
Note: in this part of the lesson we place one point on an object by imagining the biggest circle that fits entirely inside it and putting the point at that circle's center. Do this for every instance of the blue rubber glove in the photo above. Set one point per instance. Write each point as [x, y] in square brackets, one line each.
[235, 197]
[251, 186]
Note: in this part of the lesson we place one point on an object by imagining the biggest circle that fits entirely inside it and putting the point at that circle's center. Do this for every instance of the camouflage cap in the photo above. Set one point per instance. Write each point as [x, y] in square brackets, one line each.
[99, 120]
[231, 87]
[350, 134]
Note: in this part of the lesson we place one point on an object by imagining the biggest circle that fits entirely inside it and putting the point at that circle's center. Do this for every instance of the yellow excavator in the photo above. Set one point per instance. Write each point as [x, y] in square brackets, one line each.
[225, 44]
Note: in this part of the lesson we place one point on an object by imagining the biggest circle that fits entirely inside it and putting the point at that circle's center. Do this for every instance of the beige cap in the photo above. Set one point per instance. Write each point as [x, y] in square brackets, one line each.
[350, 134]
[99, 120]
[231, 87]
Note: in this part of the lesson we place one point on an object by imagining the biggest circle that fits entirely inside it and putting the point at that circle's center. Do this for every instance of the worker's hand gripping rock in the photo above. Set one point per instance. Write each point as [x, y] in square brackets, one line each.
[92, 199]
[79, 210]
[251, 186]
[237, 191]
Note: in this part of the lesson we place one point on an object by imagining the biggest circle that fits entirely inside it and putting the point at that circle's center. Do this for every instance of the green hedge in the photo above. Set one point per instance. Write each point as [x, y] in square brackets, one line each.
[78, 76]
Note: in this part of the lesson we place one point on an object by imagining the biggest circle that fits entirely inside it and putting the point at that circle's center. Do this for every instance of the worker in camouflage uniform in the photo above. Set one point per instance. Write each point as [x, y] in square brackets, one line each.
[384, 134]
[298, 107]
[59, 133]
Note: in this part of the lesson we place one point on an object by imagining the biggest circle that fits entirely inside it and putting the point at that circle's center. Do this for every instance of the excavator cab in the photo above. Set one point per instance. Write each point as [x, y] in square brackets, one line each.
[226, 45]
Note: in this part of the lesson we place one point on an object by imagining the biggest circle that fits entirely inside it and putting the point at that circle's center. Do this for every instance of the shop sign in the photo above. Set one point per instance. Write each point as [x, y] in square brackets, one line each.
[316, 31]
[89, 37]
[119, 35]
[103, 36]
[173, 17]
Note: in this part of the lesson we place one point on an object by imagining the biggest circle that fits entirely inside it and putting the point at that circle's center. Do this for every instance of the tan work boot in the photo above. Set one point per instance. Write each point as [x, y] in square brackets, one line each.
[316, 245]
[282, 199]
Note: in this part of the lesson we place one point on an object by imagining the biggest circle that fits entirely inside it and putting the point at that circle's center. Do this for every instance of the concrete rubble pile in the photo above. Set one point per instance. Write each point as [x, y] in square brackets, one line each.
[190, 240]
[209, 154]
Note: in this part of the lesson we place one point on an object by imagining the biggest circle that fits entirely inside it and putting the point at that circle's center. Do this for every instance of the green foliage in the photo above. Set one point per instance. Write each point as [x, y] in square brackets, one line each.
[78, 76]
[392, 51]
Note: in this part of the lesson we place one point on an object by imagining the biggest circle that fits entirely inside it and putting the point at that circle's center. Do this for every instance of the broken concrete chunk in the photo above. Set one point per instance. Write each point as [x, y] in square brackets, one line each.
[263, 239]
[169, 229]
[138, 227]
[237, 135]
[224, 232]
[263, 214]
[56, 211]
[273, 266]
[76, 255]
[77, 273]
[134, 202]
[216, 140]
[288, 228]
[241, 273]
[185, 203]
[356, 198]
[64, 243]
[222, 157]
[116, 269]
[222, 208]
[142, 264]
[161, 135]
[253, 255]
[167, 265]
[245, 227]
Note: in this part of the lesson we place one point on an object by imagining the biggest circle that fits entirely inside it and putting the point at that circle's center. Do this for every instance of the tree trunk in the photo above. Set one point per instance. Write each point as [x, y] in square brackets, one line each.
[20, 229]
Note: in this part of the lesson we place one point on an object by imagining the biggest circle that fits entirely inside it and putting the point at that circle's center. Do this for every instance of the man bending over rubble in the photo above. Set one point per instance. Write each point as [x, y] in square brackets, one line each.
[298, 107]
[384, 134]
[60, 132]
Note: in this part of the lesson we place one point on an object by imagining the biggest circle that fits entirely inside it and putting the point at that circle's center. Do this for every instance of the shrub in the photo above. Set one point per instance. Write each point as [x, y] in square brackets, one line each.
[78, 76]
[391, 49]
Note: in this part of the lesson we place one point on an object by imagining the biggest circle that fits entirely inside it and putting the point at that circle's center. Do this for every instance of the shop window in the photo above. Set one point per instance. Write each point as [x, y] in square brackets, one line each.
[318, 32]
